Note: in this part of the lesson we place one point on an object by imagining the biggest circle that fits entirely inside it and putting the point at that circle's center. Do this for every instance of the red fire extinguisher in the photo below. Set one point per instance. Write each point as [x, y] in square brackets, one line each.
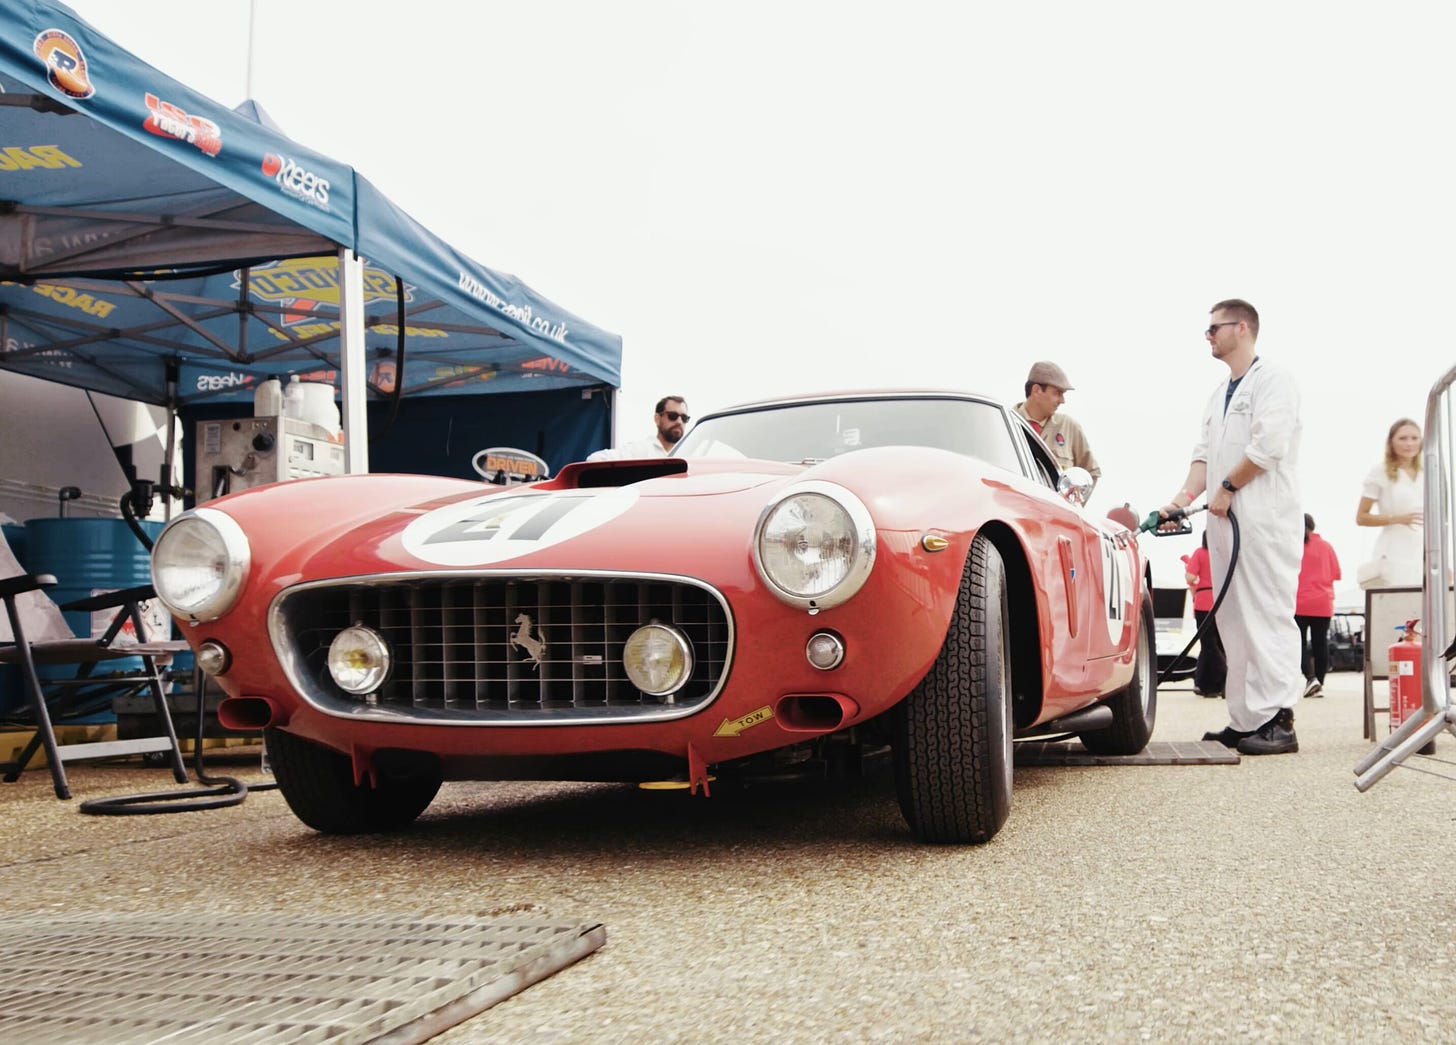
[1405, 674]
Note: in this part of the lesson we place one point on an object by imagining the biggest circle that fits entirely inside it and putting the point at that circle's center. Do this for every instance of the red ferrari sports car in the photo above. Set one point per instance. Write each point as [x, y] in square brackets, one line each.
[802, 583]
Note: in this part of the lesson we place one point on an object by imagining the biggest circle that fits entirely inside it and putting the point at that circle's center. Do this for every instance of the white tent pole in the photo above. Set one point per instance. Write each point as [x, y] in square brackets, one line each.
[352, 364]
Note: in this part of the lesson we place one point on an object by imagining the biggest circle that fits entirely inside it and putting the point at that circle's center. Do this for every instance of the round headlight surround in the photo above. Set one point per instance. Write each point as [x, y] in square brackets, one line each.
[359, 660]
[856, 529]
[182, 585]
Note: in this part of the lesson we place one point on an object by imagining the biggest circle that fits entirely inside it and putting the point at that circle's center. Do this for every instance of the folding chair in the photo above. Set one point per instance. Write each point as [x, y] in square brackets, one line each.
[57, 697]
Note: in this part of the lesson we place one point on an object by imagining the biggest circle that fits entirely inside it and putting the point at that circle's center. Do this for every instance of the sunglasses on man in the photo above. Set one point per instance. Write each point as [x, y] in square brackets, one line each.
[673, 415]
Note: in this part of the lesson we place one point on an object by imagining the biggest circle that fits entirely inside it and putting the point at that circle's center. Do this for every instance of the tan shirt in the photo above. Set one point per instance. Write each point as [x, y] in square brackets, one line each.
[1067, 442]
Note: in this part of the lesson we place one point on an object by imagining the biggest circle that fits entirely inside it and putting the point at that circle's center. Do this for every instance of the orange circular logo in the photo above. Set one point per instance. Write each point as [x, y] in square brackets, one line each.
[64, 62]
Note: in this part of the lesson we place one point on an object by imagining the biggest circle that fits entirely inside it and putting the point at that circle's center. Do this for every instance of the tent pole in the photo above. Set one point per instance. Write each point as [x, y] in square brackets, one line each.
[352, 364]
[169, 463]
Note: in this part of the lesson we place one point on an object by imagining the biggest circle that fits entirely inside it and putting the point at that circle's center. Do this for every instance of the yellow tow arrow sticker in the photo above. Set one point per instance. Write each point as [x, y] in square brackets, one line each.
[732, 727]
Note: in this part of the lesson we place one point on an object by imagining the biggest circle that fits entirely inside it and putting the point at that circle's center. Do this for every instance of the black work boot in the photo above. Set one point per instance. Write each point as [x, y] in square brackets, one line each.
[1275, 737]
[1228, 736]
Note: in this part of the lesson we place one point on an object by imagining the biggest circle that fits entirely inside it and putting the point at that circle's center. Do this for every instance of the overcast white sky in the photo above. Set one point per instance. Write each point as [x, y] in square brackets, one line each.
[767, 198]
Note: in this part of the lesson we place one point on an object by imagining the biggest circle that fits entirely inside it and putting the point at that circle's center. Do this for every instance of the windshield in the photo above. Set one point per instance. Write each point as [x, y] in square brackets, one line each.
[819, 431]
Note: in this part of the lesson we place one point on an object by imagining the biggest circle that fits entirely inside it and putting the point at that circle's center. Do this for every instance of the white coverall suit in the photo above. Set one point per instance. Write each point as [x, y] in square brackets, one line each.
[1256, 620]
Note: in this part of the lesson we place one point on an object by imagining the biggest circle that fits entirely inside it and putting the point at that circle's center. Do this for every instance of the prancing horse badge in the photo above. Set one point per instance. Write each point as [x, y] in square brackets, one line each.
[534, 647]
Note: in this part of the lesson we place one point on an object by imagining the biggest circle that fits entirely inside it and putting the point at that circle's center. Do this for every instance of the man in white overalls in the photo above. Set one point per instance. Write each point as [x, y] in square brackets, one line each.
[1246, 460]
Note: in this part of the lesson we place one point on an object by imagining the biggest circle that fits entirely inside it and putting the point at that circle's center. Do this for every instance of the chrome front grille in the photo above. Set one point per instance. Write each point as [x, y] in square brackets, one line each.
[465, 647]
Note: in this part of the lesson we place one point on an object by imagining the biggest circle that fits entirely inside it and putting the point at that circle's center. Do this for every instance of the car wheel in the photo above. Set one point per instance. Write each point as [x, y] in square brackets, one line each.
[1135, 707]
[318, 785]
[953, 732]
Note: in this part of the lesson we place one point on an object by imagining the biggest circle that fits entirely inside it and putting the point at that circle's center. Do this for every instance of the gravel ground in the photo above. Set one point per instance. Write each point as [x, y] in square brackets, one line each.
[1263, 901]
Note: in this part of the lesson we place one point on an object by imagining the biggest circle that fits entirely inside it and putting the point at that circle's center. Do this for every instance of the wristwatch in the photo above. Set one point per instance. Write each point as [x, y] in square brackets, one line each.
[1230, 487]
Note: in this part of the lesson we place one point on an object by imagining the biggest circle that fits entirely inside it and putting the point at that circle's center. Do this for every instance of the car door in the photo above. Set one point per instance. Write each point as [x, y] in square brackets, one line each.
[1096, 569]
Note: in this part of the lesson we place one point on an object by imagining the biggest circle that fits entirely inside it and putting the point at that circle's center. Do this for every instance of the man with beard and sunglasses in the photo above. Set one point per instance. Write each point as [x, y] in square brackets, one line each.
[1246, 462]
[671, 419]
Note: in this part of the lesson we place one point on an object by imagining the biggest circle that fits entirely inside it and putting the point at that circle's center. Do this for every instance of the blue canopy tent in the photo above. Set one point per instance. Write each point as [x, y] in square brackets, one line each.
[158, 247]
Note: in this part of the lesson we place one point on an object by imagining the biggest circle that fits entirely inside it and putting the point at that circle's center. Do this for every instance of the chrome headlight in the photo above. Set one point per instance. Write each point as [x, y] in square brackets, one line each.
[814, 547]
[359, 659]
[199, 564]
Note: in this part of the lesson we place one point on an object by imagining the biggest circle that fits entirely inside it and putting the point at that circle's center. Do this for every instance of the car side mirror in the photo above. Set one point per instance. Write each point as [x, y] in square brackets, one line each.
[1075, 485]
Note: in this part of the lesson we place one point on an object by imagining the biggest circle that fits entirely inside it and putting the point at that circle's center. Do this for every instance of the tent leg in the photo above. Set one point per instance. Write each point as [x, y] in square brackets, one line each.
[1424, 730]
[353, 367]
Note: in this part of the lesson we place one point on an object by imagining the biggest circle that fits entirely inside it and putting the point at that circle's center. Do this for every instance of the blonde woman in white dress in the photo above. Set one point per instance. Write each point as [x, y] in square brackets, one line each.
[1393, 498]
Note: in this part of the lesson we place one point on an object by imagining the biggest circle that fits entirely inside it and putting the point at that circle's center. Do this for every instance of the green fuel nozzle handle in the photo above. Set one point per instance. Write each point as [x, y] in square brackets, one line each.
[1156, 519]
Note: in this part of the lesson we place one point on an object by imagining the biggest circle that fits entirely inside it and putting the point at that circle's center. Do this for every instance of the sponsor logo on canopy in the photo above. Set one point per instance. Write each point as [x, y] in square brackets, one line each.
[31, 157]
[171, 121]
[308, 284]
[295, 181]
[64, 62]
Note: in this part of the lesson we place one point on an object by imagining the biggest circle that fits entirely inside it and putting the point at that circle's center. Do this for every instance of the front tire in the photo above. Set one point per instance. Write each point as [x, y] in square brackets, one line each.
[1134, 708]
[953, 761]
[318, 785]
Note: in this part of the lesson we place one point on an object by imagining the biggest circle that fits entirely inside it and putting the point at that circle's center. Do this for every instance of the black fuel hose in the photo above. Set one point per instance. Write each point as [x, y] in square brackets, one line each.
[1208, 618]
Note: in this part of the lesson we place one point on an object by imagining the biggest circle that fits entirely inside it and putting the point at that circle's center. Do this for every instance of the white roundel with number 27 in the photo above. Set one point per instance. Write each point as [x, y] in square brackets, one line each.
[495, 529]
[1116, 588]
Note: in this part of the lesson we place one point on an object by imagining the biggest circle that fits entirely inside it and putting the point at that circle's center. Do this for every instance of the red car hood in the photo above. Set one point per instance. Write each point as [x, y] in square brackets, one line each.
[617, 515]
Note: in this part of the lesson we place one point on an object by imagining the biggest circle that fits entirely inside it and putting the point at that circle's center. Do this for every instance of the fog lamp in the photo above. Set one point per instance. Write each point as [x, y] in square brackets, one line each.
[658, 659]
[359, 659]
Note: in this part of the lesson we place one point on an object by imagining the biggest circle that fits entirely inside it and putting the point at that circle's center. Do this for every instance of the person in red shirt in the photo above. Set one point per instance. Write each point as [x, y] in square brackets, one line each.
[1210, 669]
[1314, 605]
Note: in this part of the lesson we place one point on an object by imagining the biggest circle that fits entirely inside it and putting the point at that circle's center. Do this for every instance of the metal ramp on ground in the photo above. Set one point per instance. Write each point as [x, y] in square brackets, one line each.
[1157, 753]
[210, 978]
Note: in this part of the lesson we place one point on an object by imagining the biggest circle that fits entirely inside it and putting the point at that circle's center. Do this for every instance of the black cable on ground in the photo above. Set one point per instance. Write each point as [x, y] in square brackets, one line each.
[225, 790]
[222, 790]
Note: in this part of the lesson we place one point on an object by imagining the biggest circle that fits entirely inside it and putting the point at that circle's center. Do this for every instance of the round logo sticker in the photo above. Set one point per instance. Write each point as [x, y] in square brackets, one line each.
[65, 63]
[488, 530]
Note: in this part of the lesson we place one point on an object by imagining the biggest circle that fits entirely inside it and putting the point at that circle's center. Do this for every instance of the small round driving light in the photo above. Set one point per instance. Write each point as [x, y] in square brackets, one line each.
[825, 650]
[359, 659]
[213, 658]
[658, 659]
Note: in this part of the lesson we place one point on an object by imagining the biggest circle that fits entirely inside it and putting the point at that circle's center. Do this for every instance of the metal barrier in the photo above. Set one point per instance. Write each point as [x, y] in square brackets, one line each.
[1436, 713]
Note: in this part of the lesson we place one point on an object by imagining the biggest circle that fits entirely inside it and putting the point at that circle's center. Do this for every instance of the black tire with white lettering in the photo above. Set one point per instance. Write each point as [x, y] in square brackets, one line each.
[952, 734]
[318, 785]
[1135, 707]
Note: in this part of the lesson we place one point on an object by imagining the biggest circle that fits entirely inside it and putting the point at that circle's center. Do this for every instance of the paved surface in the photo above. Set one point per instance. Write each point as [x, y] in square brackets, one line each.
[1261, 901]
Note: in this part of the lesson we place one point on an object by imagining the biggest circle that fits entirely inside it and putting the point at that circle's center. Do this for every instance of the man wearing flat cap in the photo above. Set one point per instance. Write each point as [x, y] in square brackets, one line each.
[1046, 387]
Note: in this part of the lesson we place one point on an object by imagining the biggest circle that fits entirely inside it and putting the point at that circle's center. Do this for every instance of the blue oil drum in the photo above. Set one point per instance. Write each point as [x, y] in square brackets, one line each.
[87, 556]
[15, 537]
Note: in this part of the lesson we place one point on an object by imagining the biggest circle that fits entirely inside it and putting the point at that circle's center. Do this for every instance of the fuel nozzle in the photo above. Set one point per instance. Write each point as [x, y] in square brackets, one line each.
[1179, 515]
